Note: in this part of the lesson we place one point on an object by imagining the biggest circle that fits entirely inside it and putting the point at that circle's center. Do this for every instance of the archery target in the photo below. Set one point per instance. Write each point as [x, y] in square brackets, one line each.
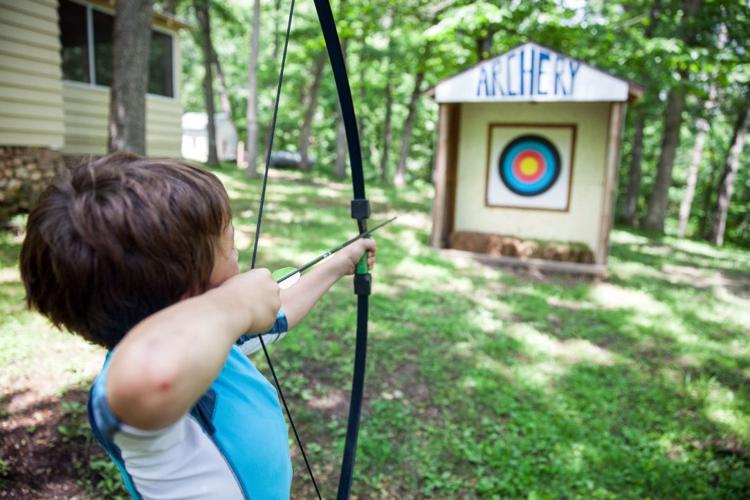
[530, 167]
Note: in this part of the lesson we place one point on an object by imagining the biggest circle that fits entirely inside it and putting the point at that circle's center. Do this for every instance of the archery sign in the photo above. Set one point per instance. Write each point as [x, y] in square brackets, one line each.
[530, 166]
[532, 73]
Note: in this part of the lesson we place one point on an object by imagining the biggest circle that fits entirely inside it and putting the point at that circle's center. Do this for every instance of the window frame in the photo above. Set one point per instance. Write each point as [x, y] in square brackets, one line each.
[91, 60]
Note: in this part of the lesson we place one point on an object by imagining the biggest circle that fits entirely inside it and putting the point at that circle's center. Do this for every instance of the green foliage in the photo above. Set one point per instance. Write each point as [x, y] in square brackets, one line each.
[99, 474]
[647, 41]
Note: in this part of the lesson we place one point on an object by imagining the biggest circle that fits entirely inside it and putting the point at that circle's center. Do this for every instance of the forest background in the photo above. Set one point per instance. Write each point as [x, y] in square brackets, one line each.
[682, 168]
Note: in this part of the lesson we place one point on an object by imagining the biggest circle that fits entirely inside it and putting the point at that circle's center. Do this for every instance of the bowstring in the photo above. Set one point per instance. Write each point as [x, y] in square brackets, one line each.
[257, 238]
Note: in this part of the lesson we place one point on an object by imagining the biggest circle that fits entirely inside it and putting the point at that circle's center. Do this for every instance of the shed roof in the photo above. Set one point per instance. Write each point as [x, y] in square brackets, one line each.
[534, 73]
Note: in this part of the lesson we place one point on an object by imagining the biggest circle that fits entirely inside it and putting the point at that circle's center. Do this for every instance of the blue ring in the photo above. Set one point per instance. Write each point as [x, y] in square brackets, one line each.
[539, 145]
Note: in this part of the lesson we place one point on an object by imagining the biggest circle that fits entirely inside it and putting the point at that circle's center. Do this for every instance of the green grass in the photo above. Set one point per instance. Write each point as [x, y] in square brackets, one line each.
[483, 382]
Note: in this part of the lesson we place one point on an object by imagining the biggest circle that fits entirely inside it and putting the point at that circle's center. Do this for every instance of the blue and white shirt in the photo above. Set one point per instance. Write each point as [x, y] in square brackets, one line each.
[233, 444]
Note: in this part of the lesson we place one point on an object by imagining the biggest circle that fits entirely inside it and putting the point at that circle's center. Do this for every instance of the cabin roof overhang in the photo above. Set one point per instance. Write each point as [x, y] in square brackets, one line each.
[159, 18]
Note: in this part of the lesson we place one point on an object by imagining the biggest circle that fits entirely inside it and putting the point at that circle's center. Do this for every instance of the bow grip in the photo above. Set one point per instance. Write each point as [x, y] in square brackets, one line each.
[362, 279]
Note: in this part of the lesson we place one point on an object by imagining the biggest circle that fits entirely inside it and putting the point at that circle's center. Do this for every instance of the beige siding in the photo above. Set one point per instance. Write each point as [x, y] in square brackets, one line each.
[87, 112]
[31, 107]
[581, 223]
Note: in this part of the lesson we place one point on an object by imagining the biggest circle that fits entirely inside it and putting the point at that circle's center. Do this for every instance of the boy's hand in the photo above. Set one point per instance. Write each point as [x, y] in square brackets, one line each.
[347, 258]
[258, 294]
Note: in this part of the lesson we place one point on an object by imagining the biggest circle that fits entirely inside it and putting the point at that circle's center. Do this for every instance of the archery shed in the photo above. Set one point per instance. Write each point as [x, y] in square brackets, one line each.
[527, 155]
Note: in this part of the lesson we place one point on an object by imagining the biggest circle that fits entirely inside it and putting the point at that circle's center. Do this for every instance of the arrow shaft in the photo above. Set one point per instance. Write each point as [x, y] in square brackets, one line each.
[304, 267]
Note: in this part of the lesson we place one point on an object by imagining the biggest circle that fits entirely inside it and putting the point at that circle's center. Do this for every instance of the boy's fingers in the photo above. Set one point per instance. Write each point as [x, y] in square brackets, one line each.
[369, 244]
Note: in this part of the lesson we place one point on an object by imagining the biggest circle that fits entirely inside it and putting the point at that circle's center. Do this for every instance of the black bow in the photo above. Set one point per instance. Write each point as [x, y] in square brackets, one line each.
[360, 211]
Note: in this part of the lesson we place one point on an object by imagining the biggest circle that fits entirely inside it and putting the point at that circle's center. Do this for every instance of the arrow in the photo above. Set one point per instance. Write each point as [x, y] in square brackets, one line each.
[289, 272]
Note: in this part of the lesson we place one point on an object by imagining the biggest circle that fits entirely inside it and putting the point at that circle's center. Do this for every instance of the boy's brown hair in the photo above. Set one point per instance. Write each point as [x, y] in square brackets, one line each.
[119, 239]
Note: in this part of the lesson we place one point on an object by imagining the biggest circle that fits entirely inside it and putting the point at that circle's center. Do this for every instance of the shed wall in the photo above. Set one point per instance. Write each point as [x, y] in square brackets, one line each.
[581, 223]
[31, 104]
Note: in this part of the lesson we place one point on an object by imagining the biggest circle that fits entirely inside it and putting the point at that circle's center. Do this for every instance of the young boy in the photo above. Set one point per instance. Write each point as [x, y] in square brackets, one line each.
[137, 255]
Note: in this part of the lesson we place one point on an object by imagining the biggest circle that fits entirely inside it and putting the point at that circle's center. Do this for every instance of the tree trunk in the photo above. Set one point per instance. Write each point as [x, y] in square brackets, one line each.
[131, 42]
[341, 148]
[252, 94]
[657, 203]
[635, 169]
[387, 126]
[704, 225]
[310, 109]
[659, 199]
[226, 103]
[204, 20]
[702, 127]
[276, 30]
[484, 44]
[411, 117]
[731, 165]
[630, 214]
[362, 83]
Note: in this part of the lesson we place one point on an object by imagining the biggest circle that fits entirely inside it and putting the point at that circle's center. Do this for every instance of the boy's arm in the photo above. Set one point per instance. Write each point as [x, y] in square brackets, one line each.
[297, 300]
[167, 361]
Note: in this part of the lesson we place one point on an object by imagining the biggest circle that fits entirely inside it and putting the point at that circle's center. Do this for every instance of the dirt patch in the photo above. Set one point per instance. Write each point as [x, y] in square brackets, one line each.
[38, 460]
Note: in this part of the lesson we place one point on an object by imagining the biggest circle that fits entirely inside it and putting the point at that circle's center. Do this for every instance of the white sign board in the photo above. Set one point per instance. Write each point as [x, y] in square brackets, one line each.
[533, 73]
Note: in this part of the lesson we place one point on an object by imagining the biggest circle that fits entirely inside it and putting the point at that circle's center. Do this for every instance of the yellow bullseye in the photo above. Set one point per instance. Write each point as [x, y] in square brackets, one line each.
[529, 166]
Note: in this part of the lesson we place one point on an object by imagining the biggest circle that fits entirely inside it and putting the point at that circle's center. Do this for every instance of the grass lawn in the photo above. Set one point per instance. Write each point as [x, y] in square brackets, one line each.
[481, 382]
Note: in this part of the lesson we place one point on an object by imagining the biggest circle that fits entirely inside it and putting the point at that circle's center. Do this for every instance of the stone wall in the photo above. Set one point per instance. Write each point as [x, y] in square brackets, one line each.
[24, 173]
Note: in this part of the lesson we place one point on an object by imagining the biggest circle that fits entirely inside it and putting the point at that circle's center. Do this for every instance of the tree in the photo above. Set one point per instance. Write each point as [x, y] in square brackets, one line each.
[204, 21]
[252, 94]
[341, 146]
[657, 203]
[731, 166]
[702, 127]
[311, 106]
[388, 94]
[400, 178]
[632, 194]
[226, 104]
[131, 42]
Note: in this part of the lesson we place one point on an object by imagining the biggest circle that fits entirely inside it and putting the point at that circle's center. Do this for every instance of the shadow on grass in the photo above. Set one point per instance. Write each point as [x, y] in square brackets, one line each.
[47, 450]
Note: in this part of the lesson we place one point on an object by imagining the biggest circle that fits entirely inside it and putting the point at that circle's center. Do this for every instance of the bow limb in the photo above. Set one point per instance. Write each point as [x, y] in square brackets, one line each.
[360, 210]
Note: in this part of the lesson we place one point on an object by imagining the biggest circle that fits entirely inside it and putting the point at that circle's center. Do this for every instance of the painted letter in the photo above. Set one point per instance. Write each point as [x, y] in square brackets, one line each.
[574, 67]
[497, 84]
[482, 82]
[558, 75]
[543, 57]
[530, 72]
[508, 72]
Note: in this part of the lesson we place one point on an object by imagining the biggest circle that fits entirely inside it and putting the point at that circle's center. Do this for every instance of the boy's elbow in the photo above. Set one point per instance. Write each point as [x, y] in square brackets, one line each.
[143, 396]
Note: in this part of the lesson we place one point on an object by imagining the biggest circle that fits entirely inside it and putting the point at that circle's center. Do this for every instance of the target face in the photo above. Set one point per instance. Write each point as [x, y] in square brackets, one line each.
[529, 165]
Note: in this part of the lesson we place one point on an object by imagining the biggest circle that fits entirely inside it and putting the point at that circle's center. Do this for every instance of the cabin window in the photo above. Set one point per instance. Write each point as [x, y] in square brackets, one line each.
[160, 65]
[86, 39]
[74, 41]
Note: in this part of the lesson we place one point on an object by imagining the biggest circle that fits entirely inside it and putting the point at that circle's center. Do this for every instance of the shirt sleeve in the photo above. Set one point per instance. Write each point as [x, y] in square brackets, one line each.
[250, 343]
